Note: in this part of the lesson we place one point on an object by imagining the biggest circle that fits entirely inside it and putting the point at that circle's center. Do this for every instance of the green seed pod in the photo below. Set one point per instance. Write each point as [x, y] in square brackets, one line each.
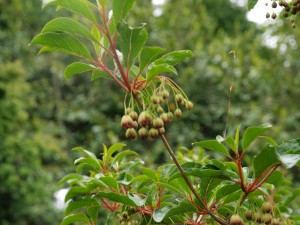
[178, 98]
[274, 15]
[189, 105]
[274, 5]
[178, 113]
[267, 207]
[248, 214]
[153, 132]
[155, 99]
[143, 133]
[145, 118]
[235, 219]
[131, 133]
[133, 115]
[159, 109]
[127, 122]
[170, 115]
[165, 94]
[161, 130]
[266, 218]
[268, 15]
[165, 118]
[256, 217]
[157, 123]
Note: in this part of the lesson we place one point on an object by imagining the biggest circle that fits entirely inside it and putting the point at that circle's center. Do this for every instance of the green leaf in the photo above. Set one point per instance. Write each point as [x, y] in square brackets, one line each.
[227, 190]
[155, 70]
[76, 191]
[70, 178]
[208, 187]
[70, 26]
[91, 162]
[113, 149]
[131, 41]
[148, 55]
[182, 208]
[79, 217]
[63, 43]
[79, 6]
[264, 160]
[251, 4]
[92, 211]
[116, 198]
[174, 57]
[76, 68]
[289, 153]
[120, 156]
[90, 155]
[120, 9]
[79, 203]
[276, 178]
[237, 139]
[110, 182]
[251, 133]
[213, 145]
[149, 173]
[137, 200]
[159, 214]
[269, 140]
[100, 74]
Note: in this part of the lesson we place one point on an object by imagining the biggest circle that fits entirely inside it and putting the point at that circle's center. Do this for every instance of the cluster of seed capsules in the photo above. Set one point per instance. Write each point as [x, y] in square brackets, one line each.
[124, 219]
[263, 215]
[150, 122]
[290, 8]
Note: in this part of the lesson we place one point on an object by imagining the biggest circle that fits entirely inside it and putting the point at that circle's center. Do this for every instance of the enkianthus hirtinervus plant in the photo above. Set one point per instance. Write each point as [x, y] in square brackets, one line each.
[206, 192]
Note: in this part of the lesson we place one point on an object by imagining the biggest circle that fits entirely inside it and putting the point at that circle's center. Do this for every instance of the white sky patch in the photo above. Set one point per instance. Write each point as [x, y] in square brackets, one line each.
[59, 198]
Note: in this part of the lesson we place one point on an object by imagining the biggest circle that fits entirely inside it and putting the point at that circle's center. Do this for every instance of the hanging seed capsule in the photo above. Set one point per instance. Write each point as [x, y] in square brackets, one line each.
[131, 133]
[274, 15]
[145, 118]
[235, 219]
[133, 115]
[189, 105]
[178, 113]
[153, 132]
[161, 130]
[159, 109]
[157, 123]
[268, 15]
[127, 122]
[143, 133]
[165, 94]
[274, 5]
[178, 98]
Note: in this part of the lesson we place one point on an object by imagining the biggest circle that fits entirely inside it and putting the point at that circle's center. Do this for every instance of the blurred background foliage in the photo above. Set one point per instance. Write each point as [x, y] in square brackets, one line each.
[43, 116]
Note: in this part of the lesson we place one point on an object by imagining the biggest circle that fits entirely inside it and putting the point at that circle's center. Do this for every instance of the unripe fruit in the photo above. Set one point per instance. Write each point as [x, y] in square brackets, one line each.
[268, 15]
[133, 115]
[189, 105]
[256, 217]
[170, 115]
[153, 132]
[266, 218]
[165, 94]
[165, 118]
[160, 100]
[248, 214]
[267, 207]
[274, 16]
[160, 109]
[145, 118]
[274, 5]
[131, 133]
[275, 221]
[143, 133]
[161, 130]
[135, 124]
[178, 113]
[127, 122]
[178, 98]
[157, 123]
[236, 220]
[128, 110]
[155, 99]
